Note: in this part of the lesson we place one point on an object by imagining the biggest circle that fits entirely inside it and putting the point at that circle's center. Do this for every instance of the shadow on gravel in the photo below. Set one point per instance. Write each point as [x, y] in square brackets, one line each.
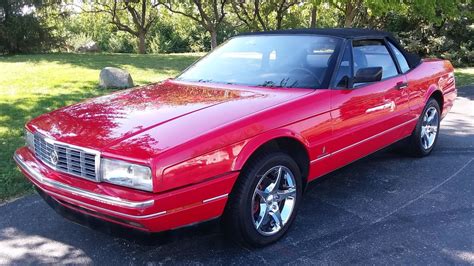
[466, 92]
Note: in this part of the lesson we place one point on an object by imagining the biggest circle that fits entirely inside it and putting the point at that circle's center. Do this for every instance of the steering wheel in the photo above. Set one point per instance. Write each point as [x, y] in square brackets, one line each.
[307, 72]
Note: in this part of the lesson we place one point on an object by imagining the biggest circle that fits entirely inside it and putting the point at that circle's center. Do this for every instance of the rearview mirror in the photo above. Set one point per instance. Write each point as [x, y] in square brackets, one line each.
[368, 74]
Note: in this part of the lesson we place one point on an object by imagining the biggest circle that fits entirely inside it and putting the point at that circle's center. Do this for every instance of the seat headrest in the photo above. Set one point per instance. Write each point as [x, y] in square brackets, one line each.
[319, 60]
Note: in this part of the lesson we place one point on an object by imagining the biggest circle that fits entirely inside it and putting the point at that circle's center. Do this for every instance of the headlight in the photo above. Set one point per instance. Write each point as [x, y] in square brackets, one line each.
[126, 174]
[30, 140]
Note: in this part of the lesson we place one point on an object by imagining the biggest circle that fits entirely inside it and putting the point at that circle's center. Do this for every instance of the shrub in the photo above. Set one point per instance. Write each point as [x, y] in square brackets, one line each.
[77, 41]
[120, 42]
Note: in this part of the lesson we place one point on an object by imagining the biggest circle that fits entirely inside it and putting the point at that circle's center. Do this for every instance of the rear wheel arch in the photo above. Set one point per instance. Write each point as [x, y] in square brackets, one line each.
[433, 92]
[438, 96]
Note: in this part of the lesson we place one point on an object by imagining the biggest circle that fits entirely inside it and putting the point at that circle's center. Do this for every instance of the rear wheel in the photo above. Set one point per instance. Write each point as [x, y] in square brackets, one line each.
[264, 201]
[424, 137]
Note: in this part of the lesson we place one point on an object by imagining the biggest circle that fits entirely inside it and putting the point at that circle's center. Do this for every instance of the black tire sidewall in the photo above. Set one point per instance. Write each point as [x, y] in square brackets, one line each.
[250, 233]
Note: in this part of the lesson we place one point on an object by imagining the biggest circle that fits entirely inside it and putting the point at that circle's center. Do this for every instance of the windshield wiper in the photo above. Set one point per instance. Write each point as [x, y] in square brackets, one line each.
[205, 80]
[283, 84]
[267, 83]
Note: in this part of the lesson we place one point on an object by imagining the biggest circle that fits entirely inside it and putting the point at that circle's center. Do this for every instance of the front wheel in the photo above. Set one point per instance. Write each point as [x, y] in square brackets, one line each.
[264, 201]
[425, 135]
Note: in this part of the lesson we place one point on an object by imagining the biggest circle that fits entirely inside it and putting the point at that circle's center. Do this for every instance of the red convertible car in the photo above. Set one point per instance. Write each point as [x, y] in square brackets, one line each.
[240, 133]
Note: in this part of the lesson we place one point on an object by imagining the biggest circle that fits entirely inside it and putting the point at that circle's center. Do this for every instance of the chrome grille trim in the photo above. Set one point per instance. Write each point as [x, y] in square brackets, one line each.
[71, 159]
[45, 183]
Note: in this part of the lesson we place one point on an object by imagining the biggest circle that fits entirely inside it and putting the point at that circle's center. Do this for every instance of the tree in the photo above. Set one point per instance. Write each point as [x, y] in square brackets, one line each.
[132, 16]
[367, 12]
[208, 13]
[349, 8]
[262, 15]
[314, 14]
[20, 29]
[314, 5]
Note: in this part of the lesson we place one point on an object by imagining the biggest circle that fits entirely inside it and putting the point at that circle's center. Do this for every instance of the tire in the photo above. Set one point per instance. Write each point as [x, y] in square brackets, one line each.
[256, 203]
[423, 139]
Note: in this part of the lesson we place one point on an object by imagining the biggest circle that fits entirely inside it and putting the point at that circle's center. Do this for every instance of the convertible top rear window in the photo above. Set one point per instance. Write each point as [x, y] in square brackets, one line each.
[289, 61]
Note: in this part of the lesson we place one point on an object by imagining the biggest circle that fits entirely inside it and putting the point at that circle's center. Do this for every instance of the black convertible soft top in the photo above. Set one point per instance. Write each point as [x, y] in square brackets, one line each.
[348, 33]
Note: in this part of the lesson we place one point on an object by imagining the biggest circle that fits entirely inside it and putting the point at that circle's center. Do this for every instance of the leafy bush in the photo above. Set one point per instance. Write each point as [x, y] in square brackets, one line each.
[119, 42]
[451, 38]
[78, 40]
[452, 42]
[165, 38]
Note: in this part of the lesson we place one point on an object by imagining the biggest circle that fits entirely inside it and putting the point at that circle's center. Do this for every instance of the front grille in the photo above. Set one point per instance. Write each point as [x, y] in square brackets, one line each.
[65, 158]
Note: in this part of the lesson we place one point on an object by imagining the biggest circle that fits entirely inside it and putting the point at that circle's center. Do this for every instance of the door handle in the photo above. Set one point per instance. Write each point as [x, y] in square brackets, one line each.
[401, 85]
[387, 105]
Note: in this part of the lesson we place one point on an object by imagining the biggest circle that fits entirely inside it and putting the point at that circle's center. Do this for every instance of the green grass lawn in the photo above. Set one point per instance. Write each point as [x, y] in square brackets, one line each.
[34, 84]
[464, 76]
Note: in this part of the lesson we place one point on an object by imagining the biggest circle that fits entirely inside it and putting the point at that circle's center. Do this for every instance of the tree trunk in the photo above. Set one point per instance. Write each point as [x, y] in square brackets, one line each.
[350, 13]
[349, 20]
[314, 13]
[279, 19]
[213, 33]
[141, 43]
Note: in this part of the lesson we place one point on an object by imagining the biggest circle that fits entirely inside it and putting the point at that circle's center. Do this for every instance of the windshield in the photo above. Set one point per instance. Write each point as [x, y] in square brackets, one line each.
[290, 61]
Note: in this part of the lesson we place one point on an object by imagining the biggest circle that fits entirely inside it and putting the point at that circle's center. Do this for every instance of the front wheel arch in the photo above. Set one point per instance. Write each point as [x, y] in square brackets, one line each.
[292, 146]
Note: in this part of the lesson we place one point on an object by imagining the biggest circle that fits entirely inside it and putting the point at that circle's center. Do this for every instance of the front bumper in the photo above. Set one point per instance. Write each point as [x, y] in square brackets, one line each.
[141, 210]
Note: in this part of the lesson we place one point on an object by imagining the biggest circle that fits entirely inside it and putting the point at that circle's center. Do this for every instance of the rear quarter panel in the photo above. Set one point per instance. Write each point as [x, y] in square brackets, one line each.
[430, 76]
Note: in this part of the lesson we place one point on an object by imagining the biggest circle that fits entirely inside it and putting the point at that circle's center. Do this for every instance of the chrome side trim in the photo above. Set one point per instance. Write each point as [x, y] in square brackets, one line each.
[321, 157]
[364, 140]
[115, 201]
[215, 198]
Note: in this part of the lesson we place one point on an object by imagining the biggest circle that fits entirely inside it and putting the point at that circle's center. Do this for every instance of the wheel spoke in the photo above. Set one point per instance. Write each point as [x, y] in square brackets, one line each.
[275, 185]
[277, 218]
[431, 116]
[423, 131]
[263, 214]
[424, 141]
[263, 194]
[431, 138]
[284, 194]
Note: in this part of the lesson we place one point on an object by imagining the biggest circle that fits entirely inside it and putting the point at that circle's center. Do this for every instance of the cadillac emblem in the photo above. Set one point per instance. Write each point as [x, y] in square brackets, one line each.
[54, 157]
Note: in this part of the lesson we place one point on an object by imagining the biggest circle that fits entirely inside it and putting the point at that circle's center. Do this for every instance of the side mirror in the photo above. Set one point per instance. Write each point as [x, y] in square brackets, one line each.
[368, 74]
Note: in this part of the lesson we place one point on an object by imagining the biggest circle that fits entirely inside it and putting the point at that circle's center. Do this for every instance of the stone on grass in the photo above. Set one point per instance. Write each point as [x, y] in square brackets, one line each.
[90, 47]
[112, 77]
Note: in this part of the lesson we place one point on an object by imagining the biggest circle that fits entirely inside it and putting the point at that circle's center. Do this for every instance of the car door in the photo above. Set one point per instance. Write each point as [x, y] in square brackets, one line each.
[365, 115]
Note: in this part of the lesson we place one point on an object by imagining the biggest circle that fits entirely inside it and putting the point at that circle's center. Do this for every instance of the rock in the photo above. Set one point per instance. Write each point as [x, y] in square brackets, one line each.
[112, 77]
[88, 47]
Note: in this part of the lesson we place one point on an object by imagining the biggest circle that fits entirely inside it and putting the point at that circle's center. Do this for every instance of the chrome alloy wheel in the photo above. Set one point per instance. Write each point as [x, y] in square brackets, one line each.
[429, 127]
[273, 200]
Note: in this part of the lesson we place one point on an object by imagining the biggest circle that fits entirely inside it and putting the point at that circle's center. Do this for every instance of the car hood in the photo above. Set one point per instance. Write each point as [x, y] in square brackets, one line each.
[106, 121]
